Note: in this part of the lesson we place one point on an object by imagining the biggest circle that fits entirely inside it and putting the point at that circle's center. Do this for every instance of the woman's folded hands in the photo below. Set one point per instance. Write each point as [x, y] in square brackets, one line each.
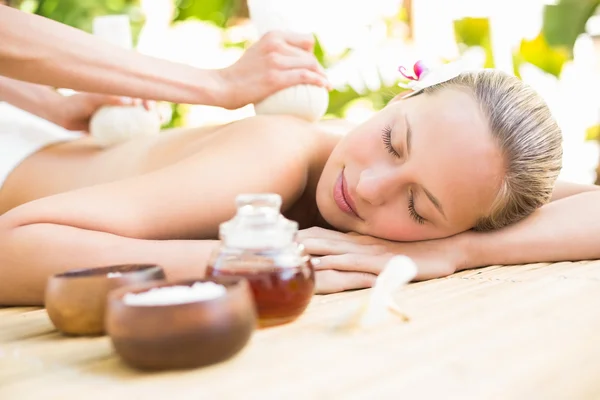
[345, 261]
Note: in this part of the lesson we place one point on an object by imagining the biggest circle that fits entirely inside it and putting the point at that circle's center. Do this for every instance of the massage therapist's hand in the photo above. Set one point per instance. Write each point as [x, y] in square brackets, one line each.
[345, 261]
[74, 112]
[277, 61]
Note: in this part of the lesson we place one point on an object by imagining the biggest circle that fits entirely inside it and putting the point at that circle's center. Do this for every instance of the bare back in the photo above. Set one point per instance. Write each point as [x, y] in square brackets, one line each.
[71, 165]
[242, 151]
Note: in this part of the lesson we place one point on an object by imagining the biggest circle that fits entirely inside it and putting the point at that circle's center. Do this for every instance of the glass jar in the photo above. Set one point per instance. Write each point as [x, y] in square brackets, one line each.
[260, 245]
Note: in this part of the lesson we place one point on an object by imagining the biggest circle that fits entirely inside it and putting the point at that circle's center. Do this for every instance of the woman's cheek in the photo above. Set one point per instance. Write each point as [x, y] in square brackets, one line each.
[399, 229]
[361, 145]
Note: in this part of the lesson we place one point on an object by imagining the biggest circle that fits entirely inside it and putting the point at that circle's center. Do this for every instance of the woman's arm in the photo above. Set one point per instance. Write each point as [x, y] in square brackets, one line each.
[566, 229]
[31, 253]
[43, 51]
[144, 219]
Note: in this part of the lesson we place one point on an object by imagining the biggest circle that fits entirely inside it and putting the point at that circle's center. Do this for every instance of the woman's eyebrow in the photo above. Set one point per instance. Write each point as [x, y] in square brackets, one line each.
[436, 203]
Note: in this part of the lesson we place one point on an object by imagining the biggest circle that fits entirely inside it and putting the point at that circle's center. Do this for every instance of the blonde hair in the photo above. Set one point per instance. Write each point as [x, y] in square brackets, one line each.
[528, 135]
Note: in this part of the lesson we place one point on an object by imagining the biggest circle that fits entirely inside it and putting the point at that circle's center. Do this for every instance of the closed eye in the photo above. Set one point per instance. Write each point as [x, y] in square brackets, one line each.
[386, 137]
[411, 209]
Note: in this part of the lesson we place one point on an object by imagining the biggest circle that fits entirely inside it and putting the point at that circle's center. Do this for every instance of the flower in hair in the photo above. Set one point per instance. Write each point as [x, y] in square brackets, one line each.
[424, 77]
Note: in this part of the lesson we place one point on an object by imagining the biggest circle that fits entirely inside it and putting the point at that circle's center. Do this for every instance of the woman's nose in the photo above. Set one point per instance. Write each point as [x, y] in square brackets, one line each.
[377, 184]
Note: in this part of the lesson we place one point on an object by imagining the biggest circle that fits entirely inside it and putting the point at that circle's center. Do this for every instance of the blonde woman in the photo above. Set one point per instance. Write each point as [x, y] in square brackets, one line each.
[461, 175]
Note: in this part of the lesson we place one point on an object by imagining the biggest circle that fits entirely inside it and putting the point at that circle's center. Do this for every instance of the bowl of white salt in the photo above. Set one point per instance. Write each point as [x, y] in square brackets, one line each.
[180, 325]
[76, 300]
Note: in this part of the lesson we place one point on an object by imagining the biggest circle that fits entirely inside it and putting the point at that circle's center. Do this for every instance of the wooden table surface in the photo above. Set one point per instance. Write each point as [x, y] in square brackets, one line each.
[522, 332]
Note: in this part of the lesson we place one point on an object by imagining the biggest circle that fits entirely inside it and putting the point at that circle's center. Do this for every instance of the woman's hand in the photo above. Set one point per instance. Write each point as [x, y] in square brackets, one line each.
[74, 112]
[345, 261]
[277, 61]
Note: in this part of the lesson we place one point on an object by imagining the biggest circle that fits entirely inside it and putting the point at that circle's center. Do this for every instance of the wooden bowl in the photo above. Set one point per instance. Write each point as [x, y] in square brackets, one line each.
[185, 335]
[76, 300]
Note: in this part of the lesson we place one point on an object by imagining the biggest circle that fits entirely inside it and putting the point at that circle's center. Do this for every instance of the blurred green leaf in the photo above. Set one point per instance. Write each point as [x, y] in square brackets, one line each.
[178, 116]
[565, 21]
[319, 53]
[80, 14]
[339, 98]
[517, 61]
[540, 54]
[215, 11]
[471, 31]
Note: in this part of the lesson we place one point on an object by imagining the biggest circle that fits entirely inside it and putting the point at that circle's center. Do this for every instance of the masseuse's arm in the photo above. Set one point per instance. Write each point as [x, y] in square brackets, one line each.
[70, 112]
[36, 99]
[43, 51]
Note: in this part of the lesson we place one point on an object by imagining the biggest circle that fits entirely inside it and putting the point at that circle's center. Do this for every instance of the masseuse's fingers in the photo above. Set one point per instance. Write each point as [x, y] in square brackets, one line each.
[76, 111]
[128, 101]
[277, 61]
[301, 40]
[336, 281]
[292, 57]
[293, 65]
[95, 100]
[295, 77]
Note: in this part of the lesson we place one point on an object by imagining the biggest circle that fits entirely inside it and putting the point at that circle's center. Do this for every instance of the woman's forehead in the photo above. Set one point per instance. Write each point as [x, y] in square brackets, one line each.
[450, 103]
[454, 151]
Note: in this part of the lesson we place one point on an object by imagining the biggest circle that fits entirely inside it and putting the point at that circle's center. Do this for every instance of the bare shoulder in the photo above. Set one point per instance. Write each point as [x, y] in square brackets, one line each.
[285, 132]
[285, 143]
[564, 189]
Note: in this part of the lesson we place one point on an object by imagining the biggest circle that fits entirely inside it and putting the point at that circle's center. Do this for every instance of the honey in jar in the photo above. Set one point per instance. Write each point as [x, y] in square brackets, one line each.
[260, 245]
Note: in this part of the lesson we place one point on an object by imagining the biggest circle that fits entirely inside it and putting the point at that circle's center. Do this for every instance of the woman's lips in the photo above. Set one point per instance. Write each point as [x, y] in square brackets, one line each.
[342, 196]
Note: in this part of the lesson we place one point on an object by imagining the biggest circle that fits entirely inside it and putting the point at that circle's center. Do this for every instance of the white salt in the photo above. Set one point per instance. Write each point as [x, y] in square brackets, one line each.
[170, 295]
[113, 274]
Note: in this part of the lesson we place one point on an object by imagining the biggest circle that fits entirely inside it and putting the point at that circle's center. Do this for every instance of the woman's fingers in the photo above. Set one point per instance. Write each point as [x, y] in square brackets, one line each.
[372, 264]
[318, 241]
[321, 233]
[432, 268]
[324, 247]
[331, 281]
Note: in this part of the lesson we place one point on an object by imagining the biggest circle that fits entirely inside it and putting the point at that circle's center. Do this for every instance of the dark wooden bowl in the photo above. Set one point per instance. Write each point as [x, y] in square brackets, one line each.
[76, 300]
[186, 335]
